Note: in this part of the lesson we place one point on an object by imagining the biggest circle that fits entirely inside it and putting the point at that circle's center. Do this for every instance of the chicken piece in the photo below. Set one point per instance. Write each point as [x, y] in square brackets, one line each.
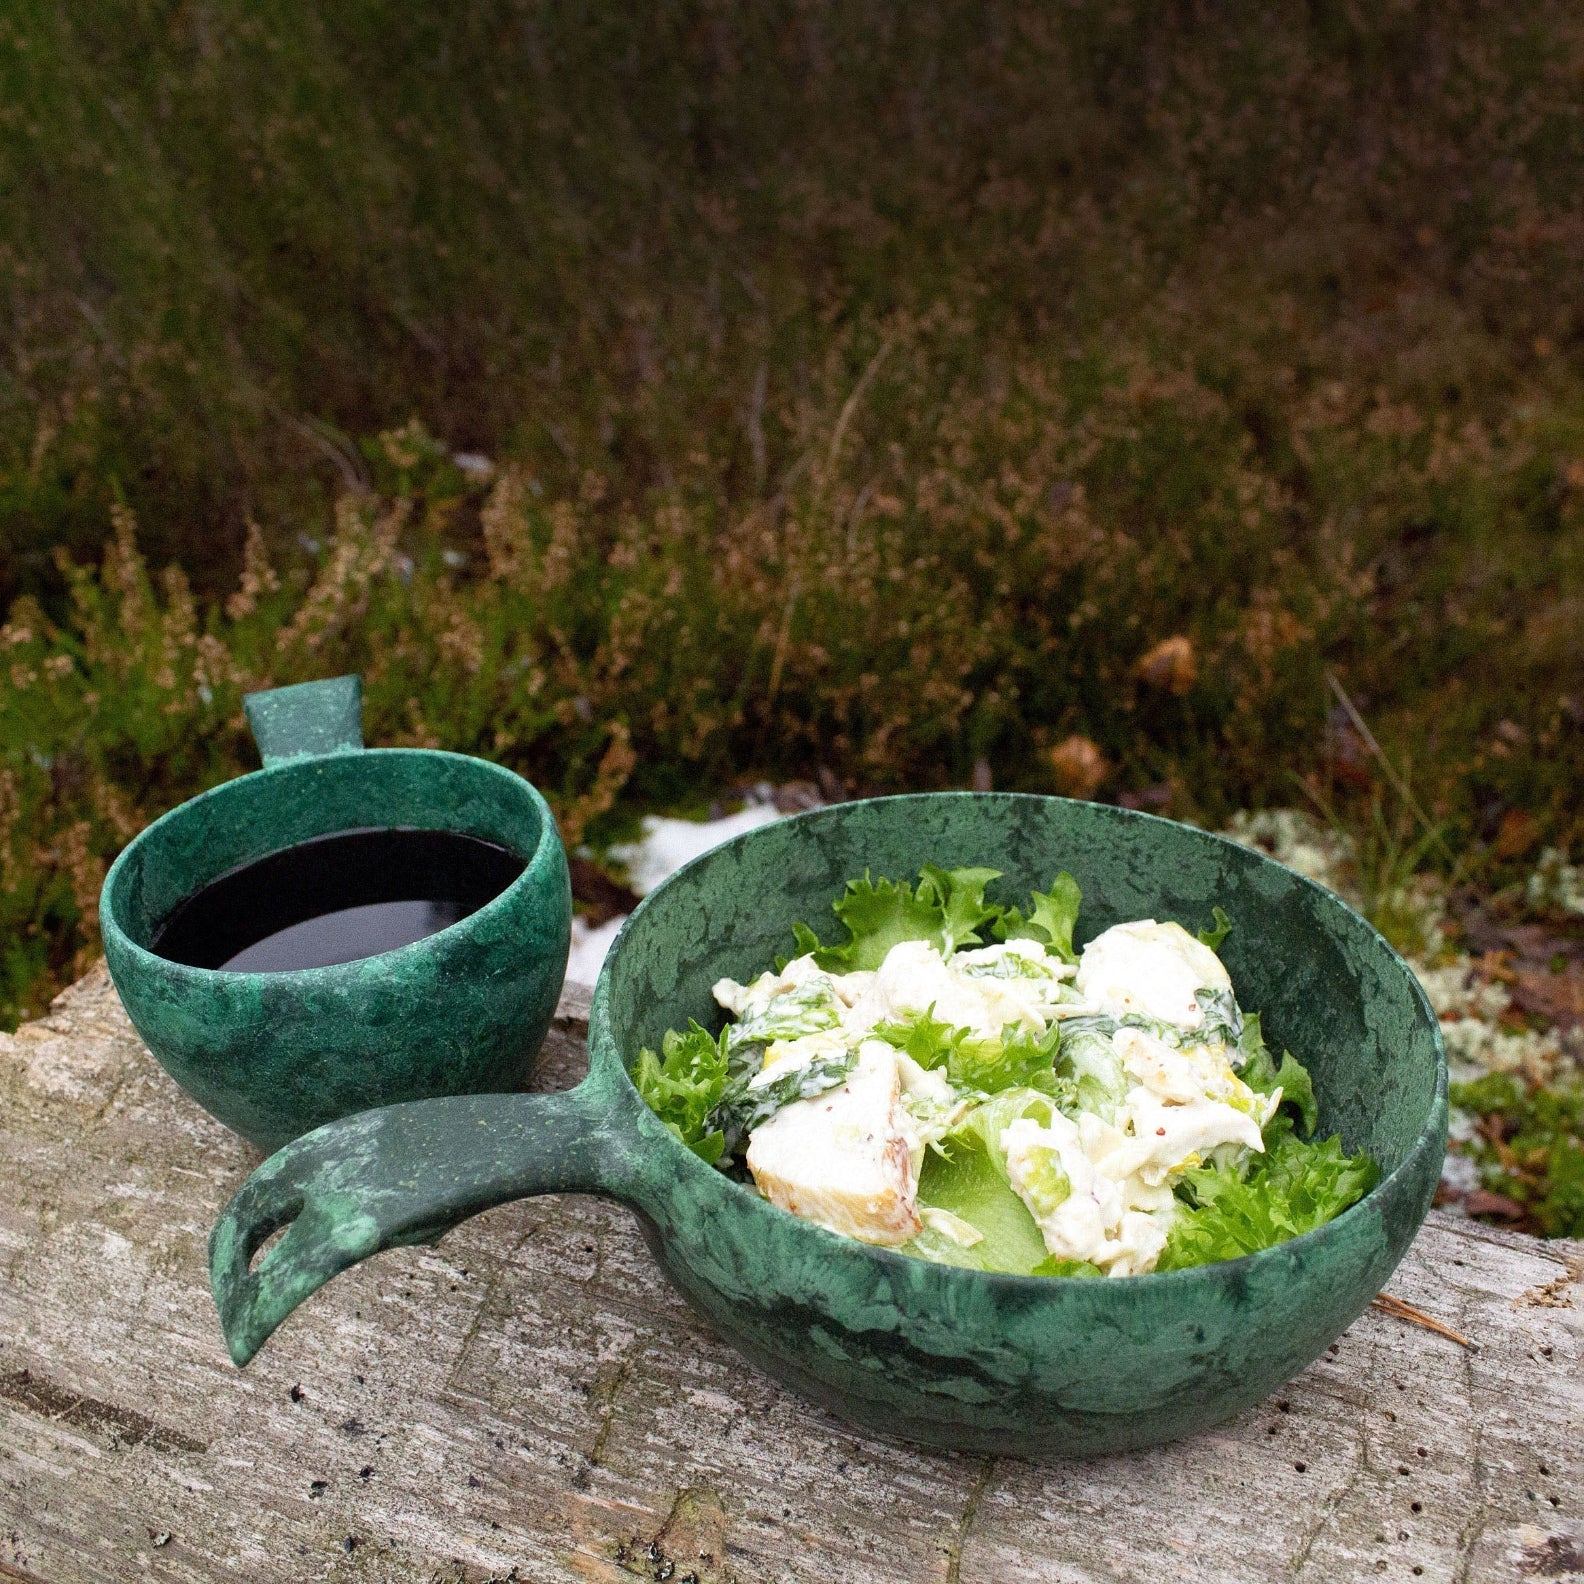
[1197, 1072]
[1081, 1211]
[1149, 968]
[753, 999]
[915, 979]
[844, 1158]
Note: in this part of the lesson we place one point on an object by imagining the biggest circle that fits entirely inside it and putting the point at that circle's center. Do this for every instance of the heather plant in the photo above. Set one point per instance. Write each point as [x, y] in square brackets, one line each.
[653, 399]
[943, 573]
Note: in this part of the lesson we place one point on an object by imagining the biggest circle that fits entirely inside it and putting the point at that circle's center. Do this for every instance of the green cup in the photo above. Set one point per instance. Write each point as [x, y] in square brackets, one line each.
[275, 1055]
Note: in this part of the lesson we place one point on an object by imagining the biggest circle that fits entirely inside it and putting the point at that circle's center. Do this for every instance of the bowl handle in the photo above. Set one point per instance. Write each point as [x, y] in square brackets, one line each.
[393, 1176]
[307, 719]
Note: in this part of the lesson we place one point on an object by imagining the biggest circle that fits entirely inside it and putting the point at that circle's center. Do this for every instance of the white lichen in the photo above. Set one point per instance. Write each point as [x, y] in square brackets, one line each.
[1556, 884]
[1476, 1047]
[1475, 1012]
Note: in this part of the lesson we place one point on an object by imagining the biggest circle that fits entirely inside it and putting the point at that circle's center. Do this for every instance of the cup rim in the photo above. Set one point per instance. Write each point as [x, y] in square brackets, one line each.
[110, 925]
[604, 1048]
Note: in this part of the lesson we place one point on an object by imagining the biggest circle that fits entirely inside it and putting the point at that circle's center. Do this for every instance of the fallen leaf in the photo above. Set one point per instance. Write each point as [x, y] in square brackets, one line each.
[1519, 832]
[1345, 753]
[797, 797]
[1482, 1202]
[602, 897]
[1170, 666]
[1554, 993]
[1080, 767]
[1151, 797]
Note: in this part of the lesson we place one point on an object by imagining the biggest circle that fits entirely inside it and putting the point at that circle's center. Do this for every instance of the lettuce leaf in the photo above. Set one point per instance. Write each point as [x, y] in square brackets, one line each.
[923, 1036]
[981, 1128]
[743, 1108]
[804, 1009]
[1052, 920]
[1231, 1211]
[1220, 928]
[879, 914]
[1258, 1069]
[960, 895]
[683, 1085]
[939, 1249]
[948, 910]
[1089, 1057]
[967, 1183]
[1223, 1020]
[1052, 1266]
[1020, 1058]
[804, 943]
[1023, 1058]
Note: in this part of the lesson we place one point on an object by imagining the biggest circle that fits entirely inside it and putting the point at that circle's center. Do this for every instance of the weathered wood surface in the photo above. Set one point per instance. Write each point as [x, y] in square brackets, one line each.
[530, 1401]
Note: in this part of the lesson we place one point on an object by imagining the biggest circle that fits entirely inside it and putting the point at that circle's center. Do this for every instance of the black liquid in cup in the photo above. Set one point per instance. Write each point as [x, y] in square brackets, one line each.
[336, 899]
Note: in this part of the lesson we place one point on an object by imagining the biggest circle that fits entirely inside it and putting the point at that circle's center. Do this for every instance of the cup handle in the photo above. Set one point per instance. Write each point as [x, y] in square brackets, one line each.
[307, 719]
[393, 1176]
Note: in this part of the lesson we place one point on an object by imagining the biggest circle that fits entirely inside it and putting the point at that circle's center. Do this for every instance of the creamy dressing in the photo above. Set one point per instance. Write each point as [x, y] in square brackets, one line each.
[1099, 1187]
[1149, 969]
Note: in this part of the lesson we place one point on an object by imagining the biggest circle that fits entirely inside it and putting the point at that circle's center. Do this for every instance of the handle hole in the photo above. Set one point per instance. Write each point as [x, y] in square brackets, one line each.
[263, 1238]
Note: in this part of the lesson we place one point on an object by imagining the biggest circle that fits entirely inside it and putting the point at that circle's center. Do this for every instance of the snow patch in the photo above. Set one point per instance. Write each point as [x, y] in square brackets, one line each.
[666, 844]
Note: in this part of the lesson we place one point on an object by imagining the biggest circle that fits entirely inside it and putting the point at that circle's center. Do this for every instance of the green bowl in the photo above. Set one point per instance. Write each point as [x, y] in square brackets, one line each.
[1036, 1366]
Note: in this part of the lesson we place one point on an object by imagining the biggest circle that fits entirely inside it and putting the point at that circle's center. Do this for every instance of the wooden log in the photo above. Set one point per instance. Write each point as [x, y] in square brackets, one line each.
[528, 1400]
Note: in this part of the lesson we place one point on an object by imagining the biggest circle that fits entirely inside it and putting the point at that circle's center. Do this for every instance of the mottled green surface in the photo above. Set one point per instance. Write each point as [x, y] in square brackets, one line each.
[306, 719]
[276, 1054]
[400, 1174]
[950, 1357]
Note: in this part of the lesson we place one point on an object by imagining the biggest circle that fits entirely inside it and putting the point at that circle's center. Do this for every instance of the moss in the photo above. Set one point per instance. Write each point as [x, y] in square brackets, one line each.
[1530, 1148]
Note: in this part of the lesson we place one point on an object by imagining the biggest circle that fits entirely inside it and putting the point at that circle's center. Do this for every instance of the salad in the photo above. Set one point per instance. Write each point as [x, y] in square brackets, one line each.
[955, 1081]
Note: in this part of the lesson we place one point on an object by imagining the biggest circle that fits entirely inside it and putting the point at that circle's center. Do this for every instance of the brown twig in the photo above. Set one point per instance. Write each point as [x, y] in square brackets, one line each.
[1403, 790]
[821, 485]
[1407, 1311]
[849, 407]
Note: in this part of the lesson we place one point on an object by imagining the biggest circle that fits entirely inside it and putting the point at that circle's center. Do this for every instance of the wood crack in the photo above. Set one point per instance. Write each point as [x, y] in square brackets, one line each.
[959, 1539]
[125, 1426]
[1327, 1512]
[607, 1389]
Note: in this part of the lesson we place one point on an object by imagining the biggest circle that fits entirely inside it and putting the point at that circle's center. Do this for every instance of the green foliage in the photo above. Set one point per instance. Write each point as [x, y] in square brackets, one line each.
[1293, 1188]
[1259, 1071]
[683, 1086]
[1530, 1148]
[1019, 1058]
[1220, 928]
[1052, 920]
[866, 391]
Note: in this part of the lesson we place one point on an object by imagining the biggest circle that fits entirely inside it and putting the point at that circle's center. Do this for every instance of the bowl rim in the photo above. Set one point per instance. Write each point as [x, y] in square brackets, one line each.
[117, 938]
[604, 1052]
